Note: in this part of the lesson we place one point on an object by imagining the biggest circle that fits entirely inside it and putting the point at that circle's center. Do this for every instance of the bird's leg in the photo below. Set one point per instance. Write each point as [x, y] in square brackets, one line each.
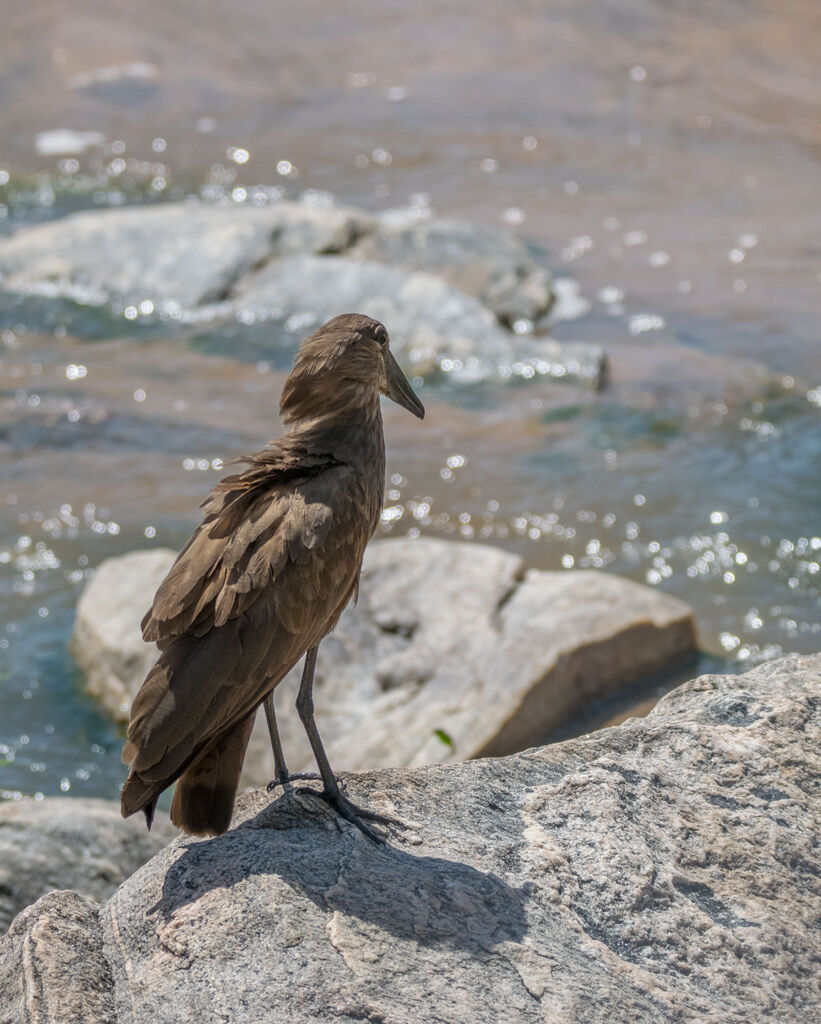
[281, 774]
[280, 768]
[331, 792]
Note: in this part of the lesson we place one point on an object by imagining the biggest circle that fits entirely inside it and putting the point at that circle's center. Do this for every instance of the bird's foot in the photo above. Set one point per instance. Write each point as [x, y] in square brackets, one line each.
[288, 779]
[358, 816]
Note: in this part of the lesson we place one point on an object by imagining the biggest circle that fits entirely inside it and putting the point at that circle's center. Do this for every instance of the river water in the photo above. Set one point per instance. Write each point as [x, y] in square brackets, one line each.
[664, 155]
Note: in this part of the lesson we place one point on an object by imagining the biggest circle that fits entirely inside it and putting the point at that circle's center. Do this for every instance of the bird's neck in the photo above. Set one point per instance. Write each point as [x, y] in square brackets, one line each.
[353, 436]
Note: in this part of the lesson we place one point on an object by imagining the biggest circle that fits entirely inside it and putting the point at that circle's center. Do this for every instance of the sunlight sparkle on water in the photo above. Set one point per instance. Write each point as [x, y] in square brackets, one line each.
[640, 323]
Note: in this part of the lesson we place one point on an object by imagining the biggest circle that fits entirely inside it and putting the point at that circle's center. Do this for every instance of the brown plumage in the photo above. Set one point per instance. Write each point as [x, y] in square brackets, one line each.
[262, 580]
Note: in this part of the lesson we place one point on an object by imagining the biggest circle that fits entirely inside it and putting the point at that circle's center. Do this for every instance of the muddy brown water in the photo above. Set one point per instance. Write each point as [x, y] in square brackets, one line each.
[665, 155]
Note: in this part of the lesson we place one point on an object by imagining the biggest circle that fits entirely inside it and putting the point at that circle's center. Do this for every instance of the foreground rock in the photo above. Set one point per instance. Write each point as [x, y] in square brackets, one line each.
[61, 842]
[665, 870]
[452, 652]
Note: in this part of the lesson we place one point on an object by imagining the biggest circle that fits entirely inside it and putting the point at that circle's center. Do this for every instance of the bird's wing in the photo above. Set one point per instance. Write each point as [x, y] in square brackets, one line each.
[263, 578]
[255, 523]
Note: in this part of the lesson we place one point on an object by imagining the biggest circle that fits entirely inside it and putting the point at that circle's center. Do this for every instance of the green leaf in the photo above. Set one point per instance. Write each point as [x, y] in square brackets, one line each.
[440, 734]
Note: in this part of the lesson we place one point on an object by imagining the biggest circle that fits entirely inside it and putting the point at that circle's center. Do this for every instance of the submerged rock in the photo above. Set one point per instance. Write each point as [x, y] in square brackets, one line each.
[63, 842]
[665, 870]
[452, 652]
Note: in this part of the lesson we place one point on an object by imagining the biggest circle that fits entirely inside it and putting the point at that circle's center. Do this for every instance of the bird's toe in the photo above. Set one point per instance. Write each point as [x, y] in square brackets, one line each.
[284, 782]
[358, 816]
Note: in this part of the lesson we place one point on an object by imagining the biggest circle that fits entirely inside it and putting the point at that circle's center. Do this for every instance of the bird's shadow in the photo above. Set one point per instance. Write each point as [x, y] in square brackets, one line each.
[430, 900]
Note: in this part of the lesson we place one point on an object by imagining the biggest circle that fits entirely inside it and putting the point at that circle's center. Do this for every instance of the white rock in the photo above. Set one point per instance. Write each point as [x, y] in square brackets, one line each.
[184, 254]
[487, 263]
[278, 266]
[106, 640]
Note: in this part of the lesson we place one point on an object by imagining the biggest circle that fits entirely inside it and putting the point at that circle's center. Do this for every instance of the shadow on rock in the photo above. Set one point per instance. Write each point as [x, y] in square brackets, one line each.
[433, 901]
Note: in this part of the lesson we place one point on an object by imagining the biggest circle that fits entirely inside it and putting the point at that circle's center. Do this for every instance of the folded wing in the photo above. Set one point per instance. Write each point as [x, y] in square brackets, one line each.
[264, 577]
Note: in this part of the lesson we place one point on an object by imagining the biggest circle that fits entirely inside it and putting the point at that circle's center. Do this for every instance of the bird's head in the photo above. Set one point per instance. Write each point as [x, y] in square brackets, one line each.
[345, 364]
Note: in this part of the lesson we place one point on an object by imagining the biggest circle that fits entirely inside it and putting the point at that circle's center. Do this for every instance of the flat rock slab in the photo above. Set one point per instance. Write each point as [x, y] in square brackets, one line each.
[453, 651]
[664, 870]
[62, 842]
[186, 254]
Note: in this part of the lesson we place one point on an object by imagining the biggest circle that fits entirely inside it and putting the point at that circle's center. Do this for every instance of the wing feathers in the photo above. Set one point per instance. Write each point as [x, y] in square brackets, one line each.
[255, 523]
[263, 578]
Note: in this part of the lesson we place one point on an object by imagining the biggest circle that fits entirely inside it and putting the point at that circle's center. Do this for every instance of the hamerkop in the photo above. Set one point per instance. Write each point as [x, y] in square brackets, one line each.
[262, 580]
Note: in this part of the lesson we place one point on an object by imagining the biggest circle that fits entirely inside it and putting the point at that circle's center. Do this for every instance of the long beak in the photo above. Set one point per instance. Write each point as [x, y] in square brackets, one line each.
[398, 387]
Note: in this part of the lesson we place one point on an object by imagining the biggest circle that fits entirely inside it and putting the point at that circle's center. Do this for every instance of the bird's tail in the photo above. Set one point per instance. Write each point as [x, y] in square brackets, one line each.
[204, 798]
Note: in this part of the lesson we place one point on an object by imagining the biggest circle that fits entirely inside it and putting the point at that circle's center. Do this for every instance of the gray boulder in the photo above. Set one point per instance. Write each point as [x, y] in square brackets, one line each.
[664, 870]
[62, 842]
[492, 265]
[184, 254]
[454, 651]
[432, 323]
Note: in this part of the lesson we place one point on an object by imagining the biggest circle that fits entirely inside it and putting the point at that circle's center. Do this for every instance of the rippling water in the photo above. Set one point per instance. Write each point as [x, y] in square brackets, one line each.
[664, 155]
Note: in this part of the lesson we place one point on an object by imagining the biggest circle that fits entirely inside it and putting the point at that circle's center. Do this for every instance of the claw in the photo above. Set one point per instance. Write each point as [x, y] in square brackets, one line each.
[348, 810]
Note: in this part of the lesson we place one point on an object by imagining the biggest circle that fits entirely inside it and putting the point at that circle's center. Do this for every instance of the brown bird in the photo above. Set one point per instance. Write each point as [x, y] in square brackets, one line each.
[262, 580]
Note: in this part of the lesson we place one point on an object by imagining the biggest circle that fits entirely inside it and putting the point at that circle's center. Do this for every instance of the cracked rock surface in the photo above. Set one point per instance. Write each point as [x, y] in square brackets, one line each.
[447, 639]
[664, 870]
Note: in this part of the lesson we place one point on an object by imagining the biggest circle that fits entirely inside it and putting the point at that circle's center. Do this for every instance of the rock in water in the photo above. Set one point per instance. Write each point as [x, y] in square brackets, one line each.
[492, 265]
[280, 263]
[63, 842]
[433, 323]
[182, 253]
[665, 870]
[192, 253]
[453, 651]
